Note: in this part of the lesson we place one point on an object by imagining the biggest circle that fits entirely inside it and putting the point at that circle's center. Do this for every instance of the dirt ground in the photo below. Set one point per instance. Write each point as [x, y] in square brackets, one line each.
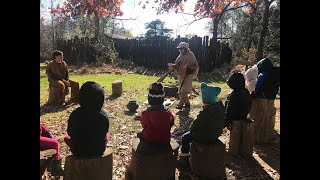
[265, 163]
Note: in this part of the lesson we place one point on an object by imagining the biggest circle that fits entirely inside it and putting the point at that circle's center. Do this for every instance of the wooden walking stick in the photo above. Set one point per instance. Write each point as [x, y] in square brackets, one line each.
[165, 75]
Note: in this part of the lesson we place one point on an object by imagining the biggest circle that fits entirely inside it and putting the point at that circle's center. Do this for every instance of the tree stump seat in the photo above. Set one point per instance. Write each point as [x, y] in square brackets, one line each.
[263, 112]
[117, 88]
[242, 138]
[89, 168]
[155, 167]
[207, 161]
[54, 97]
[46, 156]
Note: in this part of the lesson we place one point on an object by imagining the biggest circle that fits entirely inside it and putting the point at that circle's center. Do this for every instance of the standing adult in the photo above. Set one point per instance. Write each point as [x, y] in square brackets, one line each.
[187, 69]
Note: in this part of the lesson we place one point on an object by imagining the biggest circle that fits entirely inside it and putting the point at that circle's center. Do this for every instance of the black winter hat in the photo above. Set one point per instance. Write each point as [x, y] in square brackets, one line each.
[91, 96]
[156, 94]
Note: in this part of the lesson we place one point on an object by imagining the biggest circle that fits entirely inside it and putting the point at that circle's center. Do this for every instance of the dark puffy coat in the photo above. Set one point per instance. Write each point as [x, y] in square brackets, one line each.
[89, 124]
[239, 102]
[268, 82]
[209, 124]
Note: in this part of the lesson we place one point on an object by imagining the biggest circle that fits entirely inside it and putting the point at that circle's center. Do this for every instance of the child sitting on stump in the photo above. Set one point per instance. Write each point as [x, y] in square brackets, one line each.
[88, 125]
[238, 103]
[208, 125]
[156, 122]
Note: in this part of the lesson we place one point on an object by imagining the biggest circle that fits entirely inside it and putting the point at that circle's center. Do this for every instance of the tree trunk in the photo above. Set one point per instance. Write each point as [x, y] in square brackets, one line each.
[265, 22]
[52, 32]
[251, 26]
[97, 25]
[214, 41]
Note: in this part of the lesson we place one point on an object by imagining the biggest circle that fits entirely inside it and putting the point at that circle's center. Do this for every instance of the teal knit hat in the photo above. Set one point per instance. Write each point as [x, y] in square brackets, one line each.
[210, 93]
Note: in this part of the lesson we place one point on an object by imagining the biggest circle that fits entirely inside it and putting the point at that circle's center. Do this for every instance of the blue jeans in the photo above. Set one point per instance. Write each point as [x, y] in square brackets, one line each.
[186, 139]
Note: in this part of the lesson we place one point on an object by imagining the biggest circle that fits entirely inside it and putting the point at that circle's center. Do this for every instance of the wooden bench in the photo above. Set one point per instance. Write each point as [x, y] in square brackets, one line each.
[207, 161]
[46, 156]
[242, 138]
[155, 167]
[89, 168]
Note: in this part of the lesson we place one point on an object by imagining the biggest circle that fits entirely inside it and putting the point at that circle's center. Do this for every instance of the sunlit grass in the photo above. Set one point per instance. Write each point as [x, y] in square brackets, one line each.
[135, 85]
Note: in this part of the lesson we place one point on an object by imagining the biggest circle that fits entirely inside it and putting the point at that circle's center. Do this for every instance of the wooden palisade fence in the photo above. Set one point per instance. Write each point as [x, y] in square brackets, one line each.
[154, 54]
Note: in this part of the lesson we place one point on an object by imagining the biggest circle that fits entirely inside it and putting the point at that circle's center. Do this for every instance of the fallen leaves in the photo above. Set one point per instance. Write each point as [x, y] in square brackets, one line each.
[124, 129]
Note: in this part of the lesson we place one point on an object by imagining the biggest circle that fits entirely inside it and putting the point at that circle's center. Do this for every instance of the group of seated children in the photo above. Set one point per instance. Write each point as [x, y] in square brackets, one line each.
[88, 125]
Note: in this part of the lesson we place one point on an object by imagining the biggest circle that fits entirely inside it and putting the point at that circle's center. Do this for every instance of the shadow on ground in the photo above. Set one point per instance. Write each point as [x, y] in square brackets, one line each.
[270, 153]
[244, 168]
[112, 97]
[45, 108]
[184, 123]
[130, 113]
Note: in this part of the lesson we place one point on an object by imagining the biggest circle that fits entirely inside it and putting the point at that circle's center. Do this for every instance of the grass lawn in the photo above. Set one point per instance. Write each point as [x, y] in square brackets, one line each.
[134, 86]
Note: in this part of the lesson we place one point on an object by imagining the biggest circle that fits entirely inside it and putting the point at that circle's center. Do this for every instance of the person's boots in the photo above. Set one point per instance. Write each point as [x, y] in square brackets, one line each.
[55, 168]
[183, 161]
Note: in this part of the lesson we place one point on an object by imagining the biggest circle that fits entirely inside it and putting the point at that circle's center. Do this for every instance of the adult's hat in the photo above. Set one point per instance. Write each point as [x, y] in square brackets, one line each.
[183, 45]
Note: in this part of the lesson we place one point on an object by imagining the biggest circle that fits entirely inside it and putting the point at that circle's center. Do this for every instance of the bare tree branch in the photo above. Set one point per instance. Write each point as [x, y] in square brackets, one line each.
[114, 18]
[223, 11]
[237, 7]
[186, 13]
[189, 23]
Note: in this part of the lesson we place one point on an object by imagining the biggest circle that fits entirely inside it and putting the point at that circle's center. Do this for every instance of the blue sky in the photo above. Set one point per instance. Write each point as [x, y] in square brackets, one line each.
[172, 20]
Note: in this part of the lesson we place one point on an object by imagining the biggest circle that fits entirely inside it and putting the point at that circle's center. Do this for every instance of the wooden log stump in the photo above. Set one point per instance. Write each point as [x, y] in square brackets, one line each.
[155, 167]
[89, 168]
[263, 112]
[242, 138]
[207, 161]
[46, 156]
[117, 88]
[54, 95]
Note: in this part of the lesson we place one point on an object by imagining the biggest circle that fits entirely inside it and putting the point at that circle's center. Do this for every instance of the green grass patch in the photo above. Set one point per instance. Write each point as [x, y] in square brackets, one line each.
[131, 83]
[134, 88]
